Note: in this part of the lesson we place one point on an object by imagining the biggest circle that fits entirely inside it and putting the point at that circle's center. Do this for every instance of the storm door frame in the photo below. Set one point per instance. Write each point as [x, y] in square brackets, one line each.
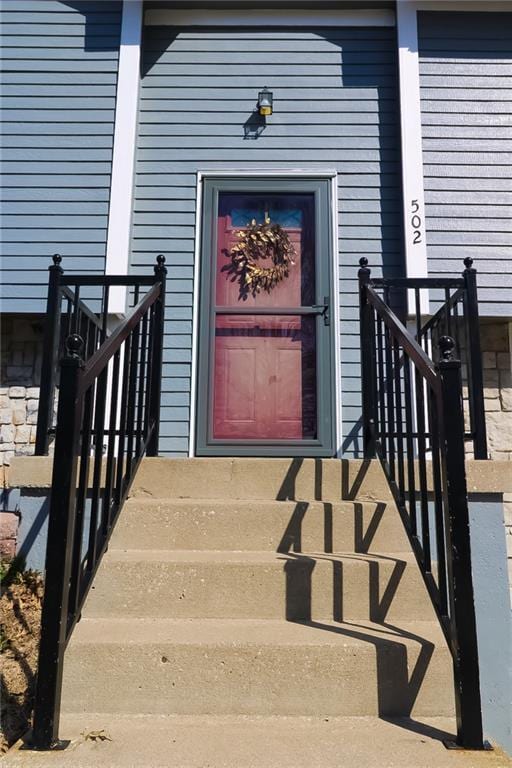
[327, 377]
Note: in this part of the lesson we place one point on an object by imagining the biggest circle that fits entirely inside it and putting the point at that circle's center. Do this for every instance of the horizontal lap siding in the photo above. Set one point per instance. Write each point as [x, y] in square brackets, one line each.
[335, 107]
[59, 79]
[466, 104]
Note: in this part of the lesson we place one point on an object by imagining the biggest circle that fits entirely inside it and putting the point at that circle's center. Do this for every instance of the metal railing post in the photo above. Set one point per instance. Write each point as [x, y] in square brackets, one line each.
[458, 549]
[368, 363]
[54, 619]
[157, 357]
[50, 354]
[475, 372]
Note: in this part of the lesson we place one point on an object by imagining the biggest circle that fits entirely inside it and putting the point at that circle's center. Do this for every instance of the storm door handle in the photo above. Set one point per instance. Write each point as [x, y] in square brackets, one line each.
[323, 309]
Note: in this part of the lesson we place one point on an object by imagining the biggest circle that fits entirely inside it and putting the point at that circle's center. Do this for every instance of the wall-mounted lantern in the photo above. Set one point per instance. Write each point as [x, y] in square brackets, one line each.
[265, 102]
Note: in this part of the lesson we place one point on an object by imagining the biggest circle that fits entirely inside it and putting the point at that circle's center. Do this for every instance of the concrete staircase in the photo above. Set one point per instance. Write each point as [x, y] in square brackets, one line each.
[256, 612]
[216, 598]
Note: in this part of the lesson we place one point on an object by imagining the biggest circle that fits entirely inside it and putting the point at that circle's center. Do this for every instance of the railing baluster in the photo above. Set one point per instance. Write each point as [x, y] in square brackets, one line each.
[132, 397]
[399, 421]
[447, 313]
[104, 313]
[437, 487]
[111, 462]
[76, 310]
[81, 501]
[69, 317]
[380, 385]
[409, 430]
[456, 328]
[123, 422]
[388, 352]
[140, 394]
[83, 483]
[99, 431]
[422, 472]
[149, 373]
[417, 307]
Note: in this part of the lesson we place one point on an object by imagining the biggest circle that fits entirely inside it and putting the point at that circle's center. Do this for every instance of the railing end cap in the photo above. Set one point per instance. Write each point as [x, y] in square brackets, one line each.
[446, 347]
[74, 345]
[160, 264]
[56, 259]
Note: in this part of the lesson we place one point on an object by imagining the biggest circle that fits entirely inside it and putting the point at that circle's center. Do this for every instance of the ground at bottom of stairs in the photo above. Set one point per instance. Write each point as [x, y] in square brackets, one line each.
[145, 741]
[20, 615]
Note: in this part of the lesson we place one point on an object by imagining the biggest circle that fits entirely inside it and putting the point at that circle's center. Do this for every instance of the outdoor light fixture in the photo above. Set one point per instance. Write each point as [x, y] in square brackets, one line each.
[265, 102]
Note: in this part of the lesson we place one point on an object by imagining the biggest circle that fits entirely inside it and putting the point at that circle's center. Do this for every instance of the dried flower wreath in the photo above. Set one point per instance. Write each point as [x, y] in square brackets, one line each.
[257, 242]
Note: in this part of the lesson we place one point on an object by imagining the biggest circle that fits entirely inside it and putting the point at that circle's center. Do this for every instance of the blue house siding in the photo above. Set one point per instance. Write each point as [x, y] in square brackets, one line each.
[59, 78]
[466, 103]
[335, 94]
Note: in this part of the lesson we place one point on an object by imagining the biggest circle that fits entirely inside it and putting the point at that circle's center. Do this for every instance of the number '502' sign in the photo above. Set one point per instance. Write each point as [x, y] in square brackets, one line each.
[416, 222]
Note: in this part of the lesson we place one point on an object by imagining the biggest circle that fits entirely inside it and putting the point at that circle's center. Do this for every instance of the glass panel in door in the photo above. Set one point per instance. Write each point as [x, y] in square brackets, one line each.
[264, 368]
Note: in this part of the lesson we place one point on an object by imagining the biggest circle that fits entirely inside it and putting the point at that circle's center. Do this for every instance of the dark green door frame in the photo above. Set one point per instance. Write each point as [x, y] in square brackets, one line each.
[324, 445]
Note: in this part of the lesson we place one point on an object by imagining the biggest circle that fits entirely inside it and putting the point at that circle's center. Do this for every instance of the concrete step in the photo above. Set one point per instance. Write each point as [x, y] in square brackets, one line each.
[258, 585]
[253, 742]
[260, 525]
[249, 478]
[249, 667]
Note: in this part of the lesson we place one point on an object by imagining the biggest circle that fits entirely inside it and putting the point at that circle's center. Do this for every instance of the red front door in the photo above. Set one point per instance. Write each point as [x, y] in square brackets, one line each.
[264, 383]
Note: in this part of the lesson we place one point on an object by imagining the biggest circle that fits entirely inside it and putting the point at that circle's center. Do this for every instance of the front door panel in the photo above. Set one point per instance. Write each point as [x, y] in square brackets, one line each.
[265, 348]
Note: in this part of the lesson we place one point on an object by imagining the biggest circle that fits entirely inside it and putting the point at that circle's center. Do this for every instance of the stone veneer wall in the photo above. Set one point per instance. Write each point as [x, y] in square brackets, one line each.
[496, 349]
[497, 388]
[496, 338]
[20, 367]
[18, 419]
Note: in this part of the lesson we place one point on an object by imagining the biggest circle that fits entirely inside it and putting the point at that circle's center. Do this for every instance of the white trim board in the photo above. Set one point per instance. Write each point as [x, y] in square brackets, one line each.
[269, 17]
[413, 207]
[335, 309]
[123, 159]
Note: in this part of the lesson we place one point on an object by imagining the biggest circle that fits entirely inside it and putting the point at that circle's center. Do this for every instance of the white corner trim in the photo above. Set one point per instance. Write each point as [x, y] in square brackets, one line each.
[123, 160]
[412, 157]
[335, 309]
[269, 17]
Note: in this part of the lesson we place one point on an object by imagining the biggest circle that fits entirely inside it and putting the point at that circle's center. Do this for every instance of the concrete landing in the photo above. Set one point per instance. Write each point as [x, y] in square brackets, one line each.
[254, 742]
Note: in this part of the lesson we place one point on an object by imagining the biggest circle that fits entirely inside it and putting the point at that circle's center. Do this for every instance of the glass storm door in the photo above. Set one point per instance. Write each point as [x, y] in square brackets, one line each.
[265, 362]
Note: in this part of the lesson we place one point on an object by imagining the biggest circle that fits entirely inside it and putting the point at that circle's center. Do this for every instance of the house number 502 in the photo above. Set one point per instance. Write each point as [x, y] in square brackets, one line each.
[415, 222]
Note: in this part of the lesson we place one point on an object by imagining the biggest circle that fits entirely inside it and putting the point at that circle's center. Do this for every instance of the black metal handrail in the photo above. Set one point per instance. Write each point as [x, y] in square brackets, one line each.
[413, 421]
[67, 313]
[113, 396]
